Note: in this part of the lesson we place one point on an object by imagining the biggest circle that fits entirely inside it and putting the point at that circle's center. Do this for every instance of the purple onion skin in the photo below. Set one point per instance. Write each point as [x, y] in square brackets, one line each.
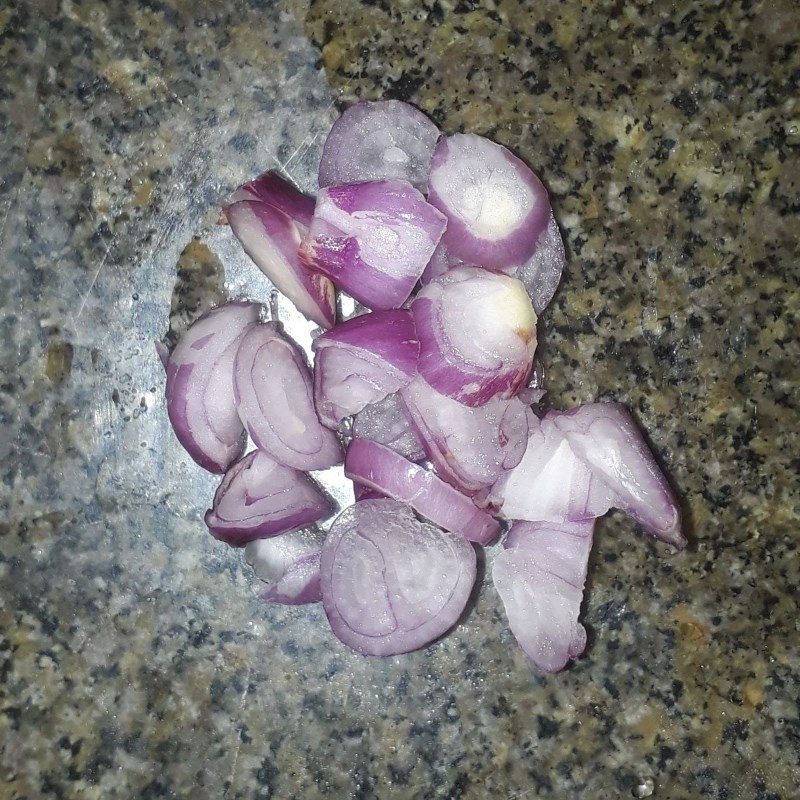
[276, 191]
[461, 240]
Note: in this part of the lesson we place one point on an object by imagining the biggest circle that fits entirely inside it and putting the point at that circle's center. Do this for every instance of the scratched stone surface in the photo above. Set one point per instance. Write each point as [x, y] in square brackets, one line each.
[135, 657]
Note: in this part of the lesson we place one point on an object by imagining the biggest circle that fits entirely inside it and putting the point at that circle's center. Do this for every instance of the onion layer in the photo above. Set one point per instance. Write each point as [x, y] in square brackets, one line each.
[275, 401]
[290, 565]
[606, 438]
[496, 207]
[469, 447]
[477, 334]
[540, 579]
[270, 217]
[388, 423]
[380, 468]
[361, 361]
[259, 497]
[200, 394]
[373, 240]
[378, 140]
[390, 583]
[541, 273]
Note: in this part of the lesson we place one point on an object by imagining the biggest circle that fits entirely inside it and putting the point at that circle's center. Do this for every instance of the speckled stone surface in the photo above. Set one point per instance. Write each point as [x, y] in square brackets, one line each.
[135, 658]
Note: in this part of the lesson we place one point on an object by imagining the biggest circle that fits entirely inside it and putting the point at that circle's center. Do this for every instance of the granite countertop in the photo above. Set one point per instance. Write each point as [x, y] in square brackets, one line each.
[135, 657]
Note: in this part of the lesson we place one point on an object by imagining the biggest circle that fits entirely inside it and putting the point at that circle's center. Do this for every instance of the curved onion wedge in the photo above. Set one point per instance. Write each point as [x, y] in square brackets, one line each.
[541, 273]
[388, 423]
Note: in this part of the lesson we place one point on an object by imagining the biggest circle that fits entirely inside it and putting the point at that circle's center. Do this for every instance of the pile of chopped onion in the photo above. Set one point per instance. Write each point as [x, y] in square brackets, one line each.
[451, 246]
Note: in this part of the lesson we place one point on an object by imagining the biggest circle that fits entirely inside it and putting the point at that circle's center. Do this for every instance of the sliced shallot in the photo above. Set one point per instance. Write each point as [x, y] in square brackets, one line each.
[469, 447]
[361, 361]
[274, 398]
[540, 579]
[270, 217]
[200, 394]
[390, 583]
[380, 468]
[496, 207]
[373, 239]
[377, 140]
[259, 497]
[387, 422]
[289, 564]
[477, 334]
[606, 438]
[541, 273]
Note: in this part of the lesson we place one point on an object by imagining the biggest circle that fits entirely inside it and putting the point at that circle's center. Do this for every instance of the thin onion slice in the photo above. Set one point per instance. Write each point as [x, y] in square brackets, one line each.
[289, 564]
[606, 438]
[270, 217]
[477, 334]
[441, 261]
[535, 390]
[274, 398]
[259, 497]
[496, 207]
[541, 273]
[373, 240]
[540, 579]
[387, 422]
[390, 583]
[469, 447]
[380, 468]
[200, 395]
[361, 361]
[378, 140]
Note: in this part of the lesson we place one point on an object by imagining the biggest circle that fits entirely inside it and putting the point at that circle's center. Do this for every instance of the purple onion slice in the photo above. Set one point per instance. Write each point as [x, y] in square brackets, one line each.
[496, 207]
[380, 468]
[274, 398]
[477, 334]
[270, 217]
[378, 140]
[373, 240]
[200, 395]
[390, 583]
[540, 579]
[441, 261]
[361, 361]
[289, 564]
[259, 497]
[469, 447]
[606, 438]
[387, 422]
[541, 273]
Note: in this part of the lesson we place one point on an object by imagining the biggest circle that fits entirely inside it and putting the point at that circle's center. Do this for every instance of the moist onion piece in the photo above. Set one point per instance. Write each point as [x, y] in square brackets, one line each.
[199, 392]
[274, 398]
[387, 422]
[550, 483]
[477, 334]
[380, 468]
[289, 564]
[441, 261]
[540, 579]
[535, 390]
[259, 497]
[276, 191]
[469, 447]
[606, 438]
[390, 583]
[377, 140]
[270, 217]
[373, 239]
[541, 273]
[361, 361]
[496, 207]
